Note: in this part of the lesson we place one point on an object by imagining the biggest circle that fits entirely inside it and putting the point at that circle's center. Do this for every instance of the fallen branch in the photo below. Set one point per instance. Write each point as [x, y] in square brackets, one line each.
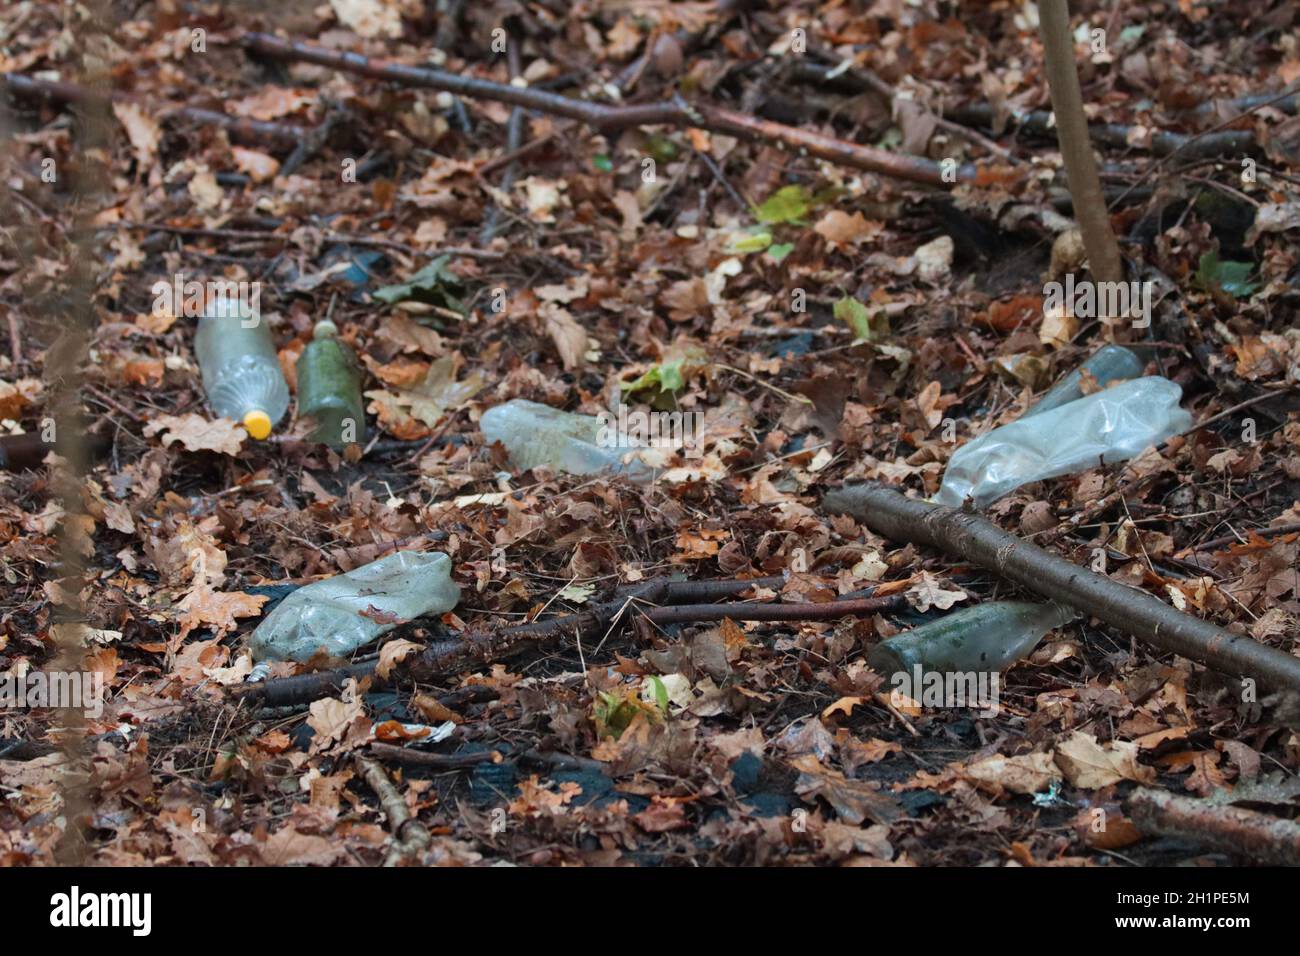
[410, 837]
[239, 127]
[514, 139]
[441, 658]
[972, 538]
[607, 119]
[1277, 529]
[825, 611]
[261, 235]
[862, 80]
[446, 657]
[1244, 833]
[1118, 135]
[421, 758]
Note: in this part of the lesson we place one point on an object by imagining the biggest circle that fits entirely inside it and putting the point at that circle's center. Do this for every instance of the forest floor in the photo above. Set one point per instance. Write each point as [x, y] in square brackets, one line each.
[829, 323]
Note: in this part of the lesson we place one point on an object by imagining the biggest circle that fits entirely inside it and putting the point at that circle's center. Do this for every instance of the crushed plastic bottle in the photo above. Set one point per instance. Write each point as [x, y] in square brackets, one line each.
[537, 435]
[1110, 363]
[329, 389]
[986, 638]
[241, 374]
[1109, 426]
[343, 613]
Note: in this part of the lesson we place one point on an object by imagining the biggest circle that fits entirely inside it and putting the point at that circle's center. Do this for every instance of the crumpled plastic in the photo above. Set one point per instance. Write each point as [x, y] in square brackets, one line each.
[348, 611]
[1108, 426]
[536, 435]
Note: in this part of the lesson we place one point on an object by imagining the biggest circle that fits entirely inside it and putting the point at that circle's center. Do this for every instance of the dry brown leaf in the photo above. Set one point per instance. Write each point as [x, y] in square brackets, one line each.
[841, 229]
[260, 167]
[370, 18]
[1089, 765]
[218, 609]
[197, 433]
[1027, 773]
[142, 130]
[271, 102]
[929, 592]
[569, 337]
[393, 653]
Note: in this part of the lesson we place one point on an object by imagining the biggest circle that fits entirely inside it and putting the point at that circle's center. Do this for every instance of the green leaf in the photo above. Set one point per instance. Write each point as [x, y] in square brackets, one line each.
[661, 693]
[578, 593]
[669, 376]
[1232, 277]
[661, 148]
[778, 252]
[603, 163]
[787, 204]
[612, 712]
[755, 239]
[866, 327]
[435, 284]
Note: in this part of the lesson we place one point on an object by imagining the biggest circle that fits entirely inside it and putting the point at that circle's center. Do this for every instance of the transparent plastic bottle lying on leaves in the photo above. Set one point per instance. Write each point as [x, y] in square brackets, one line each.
[1110, 363]
[329, 389]
[241, 373]
[536, 435]
[987, 638]
[346, 612]
[1108, 426]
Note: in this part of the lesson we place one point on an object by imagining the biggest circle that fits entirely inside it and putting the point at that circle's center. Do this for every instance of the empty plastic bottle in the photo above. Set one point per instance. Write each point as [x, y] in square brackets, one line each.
[1108, 426]
[329, 389]
[241, 373]
[343, 613]
[986, 638]
[1108, 364]
[537, 435]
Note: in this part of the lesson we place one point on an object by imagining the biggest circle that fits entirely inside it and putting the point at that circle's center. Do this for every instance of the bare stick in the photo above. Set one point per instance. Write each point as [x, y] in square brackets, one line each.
[1076, 150]
[445, 657]
[421, 758]
[828, 610]
[972, 538]
[606, 118]
[409, 835]
[1235, 830]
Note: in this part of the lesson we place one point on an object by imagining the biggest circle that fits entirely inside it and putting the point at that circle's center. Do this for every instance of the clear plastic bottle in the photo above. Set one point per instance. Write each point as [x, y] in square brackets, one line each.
[536, 435]
[241, 374]
[986, 638]
[1108, 426]
[329, 389]
[1110, 363]
[343, 613]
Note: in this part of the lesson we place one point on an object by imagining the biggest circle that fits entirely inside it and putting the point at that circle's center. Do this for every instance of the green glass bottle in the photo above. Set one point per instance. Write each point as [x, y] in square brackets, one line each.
[329, 389]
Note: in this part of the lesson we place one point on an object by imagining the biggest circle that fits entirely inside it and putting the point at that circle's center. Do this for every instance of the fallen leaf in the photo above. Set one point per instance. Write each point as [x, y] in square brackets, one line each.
[393, 653]
[197, 433]
[1089, 765]
[1027, 773]
[260, 167]
[852, 800]
[370, 18]
[143, 132]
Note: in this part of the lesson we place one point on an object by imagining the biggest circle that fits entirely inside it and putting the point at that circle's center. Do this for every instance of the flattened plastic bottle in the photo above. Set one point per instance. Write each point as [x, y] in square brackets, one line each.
[329, 389]
[241, 374]
[1108, 426]
[346, 612]
[536, 435]
[986, 638]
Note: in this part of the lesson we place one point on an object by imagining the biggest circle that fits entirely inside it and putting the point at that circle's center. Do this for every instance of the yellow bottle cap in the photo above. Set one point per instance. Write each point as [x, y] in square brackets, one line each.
[258, 424]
